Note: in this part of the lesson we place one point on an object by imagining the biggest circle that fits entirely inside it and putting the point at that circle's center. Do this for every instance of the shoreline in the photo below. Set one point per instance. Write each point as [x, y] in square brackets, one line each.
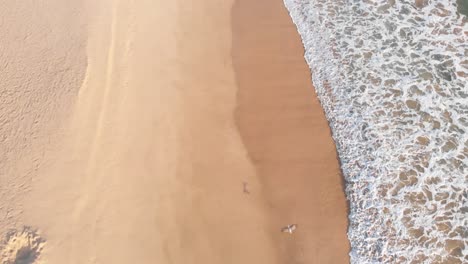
[176, 150]
[287, 135]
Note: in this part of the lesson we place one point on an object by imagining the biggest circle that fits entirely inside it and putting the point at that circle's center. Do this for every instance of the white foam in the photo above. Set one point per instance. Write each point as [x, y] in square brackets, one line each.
[393, 81]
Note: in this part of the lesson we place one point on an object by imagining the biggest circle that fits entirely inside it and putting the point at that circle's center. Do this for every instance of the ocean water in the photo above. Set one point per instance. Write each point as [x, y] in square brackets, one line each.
[392, 77]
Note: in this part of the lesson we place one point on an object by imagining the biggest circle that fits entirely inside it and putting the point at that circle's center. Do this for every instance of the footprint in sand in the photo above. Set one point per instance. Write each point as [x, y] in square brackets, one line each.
[21, 247]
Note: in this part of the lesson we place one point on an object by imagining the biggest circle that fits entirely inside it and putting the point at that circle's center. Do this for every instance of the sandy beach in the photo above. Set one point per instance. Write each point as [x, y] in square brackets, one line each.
[174, 132]
[42, 66]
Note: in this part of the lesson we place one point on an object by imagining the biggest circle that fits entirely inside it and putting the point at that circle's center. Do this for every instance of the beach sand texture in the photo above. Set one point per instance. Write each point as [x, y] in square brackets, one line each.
[188, 133]
[42, 65]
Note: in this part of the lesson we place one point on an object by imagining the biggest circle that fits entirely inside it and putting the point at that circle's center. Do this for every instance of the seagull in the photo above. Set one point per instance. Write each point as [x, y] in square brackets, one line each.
[289, 228]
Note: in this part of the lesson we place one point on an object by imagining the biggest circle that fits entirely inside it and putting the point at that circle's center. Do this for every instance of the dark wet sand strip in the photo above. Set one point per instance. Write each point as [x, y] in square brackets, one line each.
[287, 136]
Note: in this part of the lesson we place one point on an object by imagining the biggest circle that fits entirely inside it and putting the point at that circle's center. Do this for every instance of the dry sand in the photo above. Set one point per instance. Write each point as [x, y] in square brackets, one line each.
[181, 103]
[42, 65]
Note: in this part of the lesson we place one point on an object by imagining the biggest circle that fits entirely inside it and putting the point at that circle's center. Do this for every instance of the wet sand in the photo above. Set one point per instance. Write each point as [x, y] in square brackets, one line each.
[178, 115]
[287, 136]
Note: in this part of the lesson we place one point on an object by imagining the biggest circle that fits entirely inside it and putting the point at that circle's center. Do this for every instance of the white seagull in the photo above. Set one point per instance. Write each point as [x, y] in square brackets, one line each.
[289, 228]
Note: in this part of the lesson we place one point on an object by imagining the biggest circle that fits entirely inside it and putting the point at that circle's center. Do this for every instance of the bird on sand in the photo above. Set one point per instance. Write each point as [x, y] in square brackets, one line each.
[289, 228]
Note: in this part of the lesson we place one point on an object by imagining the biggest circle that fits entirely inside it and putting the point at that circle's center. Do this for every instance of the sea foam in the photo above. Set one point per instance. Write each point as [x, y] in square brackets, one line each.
[392, 78]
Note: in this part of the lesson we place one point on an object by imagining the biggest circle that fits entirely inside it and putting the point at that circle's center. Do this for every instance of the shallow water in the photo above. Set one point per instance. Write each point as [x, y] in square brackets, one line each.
[392, 77]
